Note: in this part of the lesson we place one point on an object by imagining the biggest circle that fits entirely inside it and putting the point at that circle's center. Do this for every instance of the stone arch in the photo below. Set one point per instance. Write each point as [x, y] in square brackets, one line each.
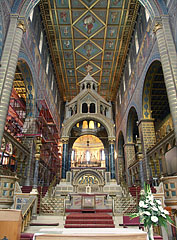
[109, 126]
[154, 7]
[88, 171]
[132, 128]
[146, 97]
[29, 83]
[121, 157]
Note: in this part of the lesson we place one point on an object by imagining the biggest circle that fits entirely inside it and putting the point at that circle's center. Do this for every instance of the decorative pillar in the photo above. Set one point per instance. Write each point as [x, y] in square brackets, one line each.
[129, 150]
[168, 56]
[139, 156]
[38, 144]
[148, 139]
[141, 172]
[111, 158]
[120, 168]
[64, 157]
[8, 66]
[69, 160]
[107, 160]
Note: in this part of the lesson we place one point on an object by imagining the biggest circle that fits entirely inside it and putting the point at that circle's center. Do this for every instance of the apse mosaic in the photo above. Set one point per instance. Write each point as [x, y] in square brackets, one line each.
[86, 35]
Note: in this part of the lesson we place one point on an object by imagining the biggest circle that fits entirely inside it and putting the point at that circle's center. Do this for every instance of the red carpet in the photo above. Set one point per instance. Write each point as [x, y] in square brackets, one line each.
[89, 220]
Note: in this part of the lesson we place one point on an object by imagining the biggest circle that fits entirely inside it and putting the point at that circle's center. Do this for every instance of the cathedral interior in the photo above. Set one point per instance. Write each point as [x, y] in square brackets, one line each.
[88, 111]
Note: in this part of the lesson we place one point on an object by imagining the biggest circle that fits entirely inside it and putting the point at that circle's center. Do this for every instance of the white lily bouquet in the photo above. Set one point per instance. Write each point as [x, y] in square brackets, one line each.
[151, 212]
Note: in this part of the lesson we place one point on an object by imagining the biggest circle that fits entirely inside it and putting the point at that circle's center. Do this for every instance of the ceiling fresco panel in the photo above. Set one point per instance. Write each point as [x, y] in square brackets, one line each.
[89, 36]
[89, 24]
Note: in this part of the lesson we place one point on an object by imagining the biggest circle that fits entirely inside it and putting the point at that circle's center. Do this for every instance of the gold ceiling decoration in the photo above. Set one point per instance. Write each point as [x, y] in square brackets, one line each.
[89, 36]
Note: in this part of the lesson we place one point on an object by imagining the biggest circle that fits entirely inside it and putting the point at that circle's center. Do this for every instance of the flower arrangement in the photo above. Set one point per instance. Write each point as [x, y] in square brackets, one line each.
[151, 212]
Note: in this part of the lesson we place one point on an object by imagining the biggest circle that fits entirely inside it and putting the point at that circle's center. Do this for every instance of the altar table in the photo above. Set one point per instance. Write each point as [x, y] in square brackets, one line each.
[91, 233]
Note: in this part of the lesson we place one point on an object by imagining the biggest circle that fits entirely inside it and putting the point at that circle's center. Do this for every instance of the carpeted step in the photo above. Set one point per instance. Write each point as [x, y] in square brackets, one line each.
[88, 216]
[89, 221]
[89, 226]
[26, 236]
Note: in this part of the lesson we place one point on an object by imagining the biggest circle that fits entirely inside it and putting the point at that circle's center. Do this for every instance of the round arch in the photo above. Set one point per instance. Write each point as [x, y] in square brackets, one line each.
[30, 90]
[68, 125]
[132, 128]
[88, 171]
[154, 7]
[120, 143]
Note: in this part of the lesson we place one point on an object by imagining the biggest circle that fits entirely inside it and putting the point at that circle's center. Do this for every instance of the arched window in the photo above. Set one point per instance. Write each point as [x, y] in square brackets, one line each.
[92, 108]
[84, 108]
[91, 125]
[47, 65]
[88, 85]
[147, 15]
[105, 111]
[41, 42]
[31, 15]
[83, 86]
[129, 65]
[71, 111]
[136, 43]
[101, 109]
[75, 108]
[93, 86]
[85, 125]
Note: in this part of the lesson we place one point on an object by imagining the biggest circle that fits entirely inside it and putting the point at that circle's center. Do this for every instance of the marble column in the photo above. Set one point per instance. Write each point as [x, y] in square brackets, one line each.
[69, 160]
[8, 66]
[64, 158]
[111, 159]
[141, 173]
[168, 56]
[107, 160]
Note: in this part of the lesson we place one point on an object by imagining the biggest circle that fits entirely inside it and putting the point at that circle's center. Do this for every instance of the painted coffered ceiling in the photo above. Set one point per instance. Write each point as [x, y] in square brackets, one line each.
[89, 36]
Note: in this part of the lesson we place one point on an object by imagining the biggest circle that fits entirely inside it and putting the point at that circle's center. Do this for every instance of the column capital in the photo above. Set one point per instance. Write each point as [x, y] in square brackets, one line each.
[146, 120]
[157, 24]
[111, 140]
[21, 25]
[65, 140]
[129, 144]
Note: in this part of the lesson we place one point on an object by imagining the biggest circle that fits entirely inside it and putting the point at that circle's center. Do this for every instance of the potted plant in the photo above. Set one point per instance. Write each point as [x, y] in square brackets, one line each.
[151, 212]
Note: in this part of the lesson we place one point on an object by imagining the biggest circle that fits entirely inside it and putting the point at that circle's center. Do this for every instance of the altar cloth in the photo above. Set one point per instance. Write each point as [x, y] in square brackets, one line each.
[87, 233]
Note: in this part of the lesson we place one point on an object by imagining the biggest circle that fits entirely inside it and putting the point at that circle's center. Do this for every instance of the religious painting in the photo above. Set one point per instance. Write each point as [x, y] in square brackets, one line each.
[63, 16]
[67, 44]
[88, 24]
[62, 4]
[110, 44]
[108, 55]
[88, 67]
[114, 17]
[88, 50]
[115, 3]
[112, 32]
[65, 32]
[68, 55]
